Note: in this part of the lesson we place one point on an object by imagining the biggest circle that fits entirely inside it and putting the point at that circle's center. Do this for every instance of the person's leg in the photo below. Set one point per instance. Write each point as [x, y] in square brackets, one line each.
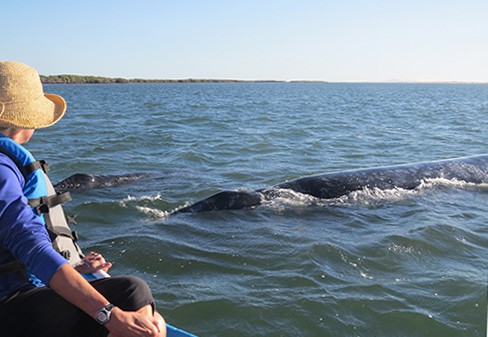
[131, 294]
[126, 292]
[41, 312]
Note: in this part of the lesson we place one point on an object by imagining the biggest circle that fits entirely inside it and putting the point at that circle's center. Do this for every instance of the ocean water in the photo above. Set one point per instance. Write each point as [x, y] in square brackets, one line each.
[374, 263]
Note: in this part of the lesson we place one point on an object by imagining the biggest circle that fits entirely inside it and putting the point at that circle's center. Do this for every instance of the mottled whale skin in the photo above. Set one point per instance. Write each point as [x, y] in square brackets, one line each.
[333, 185]
[80, 181]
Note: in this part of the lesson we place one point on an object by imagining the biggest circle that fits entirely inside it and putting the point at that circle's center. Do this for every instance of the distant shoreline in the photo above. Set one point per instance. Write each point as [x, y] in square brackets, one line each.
[80, 79]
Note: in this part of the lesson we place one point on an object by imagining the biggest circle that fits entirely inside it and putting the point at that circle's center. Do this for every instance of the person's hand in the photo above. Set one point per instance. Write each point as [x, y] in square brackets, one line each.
[92, 263]
[136, 323]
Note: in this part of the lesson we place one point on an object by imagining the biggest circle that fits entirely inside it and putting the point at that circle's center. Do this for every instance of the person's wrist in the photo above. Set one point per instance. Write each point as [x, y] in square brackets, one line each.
[115, 317]
[104, 314]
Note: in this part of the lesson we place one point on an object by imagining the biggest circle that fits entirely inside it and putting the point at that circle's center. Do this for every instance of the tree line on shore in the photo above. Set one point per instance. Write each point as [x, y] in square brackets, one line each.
[70, 79]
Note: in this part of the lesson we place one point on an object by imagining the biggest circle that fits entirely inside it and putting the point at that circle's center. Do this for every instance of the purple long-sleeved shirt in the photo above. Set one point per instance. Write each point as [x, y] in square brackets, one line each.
[23, 236]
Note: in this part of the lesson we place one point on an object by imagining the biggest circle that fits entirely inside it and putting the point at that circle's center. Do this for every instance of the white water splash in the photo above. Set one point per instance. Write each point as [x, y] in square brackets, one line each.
[145, 204]
[153, 212]
[156, 197]
[285, 198]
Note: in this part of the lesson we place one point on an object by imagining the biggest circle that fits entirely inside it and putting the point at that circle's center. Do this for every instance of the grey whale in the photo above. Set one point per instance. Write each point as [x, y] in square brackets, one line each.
[81, 181]
[333, 185]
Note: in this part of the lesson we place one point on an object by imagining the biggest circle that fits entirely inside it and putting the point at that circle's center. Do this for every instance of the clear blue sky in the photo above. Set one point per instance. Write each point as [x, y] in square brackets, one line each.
[340, 40]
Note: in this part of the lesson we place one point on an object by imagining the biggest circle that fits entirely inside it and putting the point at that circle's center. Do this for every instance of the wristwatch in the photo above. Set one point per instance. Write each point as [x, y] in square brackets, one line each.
[103, 315]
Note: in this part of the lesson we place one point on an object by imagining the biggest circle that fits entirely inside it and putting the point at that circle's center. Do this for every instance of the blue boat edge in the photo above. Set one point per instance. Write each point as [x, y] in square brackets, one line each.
[172, 331]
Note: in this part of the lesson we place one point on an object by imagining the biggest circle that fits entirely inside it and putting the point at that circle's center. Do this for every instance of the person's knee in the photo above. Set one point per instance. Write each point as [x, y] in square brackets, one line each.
[131, 293]
[135, 284]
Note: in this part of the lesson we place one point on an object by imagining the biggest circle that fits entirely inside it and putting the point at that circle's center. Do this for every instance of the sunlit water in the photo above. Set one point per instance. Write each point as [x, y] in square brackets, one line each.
[373, 263]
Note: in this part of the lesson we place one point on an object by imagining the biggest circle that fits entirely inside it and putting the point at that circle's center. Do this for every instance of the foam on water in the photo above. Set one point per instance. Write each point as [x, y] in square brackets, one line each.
[287, 198]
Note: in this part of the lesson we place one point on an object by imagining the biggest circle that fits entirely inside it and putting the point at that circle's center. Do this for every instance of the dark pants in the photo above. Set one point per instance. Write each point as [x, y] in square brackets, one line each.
[40, 312]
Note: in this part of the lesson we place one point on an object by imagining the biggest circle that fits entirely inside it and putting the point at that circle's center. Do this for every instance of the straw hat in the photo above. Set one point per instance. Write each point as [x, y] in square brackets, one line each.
[23, 104]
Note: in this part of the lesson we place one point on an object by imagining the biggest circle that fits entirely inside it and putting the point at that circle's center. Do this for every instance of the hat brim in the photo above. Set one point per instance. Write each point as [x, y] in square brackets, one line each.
[59, 108]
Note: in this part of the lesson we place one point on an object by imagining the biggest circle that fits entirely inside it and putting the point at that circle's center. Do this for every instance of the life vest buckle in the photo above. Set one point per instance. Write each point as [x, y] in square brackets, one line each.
[42, 209]
[66, 254]
[44, 165]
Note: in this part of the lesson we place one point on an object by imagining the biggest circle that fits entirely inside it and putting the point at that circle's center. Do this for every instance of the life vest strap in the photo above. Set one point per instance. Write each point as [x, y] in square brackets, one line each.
[63, 231]
[42, 205]
[38, 164]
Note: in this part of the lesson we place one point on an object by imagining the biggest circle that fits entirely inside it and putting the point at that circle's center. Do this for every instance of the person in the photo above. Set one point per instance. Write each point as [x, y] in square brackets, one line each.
[62, 302]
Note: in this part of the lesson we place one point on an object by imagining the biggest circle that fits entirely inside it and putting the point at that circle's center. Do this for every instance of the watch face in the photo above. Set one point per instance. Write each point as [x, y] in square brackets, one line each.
[102, 316]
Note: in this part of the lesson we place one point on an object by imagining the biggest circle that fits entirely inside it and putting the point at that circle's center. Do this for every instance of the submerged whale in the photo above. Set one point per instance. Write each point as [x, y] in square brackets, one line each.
[334, 185]
[81, 181]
